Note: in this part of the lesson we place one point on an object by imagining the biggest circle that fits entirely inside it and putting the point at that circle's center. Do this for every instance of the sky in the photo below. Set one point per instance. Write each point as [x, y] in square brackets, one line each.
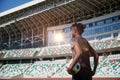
[8, 4]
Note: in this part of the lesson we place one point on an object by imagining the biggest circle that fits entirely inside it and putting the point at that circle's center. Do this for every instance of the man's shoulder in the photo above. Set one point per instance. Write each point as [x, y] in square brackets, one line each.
[79, 38]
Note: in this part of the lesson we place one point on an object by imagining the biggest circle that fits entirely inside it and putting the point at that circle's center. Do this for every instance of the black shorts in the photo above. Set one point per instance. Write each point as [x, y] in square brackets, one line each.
[80, 77]
[83, 74]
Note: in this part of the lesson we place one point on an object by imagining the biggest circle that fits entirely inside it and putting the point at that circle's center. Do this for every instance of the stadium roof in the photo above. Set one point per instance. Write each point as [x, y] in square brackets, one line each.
[23, 6]
[54, 12]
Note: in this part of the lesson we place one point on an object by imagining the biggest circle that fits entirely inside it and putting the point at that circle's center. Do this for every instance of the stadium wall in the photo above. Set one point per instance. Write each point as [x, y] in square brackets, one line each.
[59, 79]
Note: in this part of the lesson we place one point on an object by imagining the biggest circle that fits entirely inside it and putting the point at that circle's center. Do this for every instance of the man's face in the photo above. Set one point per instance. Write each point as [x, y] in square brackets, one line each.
[74, 31]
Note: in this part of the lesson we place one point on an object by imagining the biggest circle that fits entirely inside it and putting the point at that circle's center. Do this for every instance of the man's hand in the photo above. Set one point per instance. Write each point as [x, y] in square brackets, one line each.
[69, 70]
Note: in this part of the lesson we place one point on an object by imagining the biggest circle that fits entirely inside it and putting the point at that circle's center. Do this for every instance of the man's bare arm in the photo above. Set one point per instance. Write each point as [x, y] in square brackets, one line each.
[78, 53]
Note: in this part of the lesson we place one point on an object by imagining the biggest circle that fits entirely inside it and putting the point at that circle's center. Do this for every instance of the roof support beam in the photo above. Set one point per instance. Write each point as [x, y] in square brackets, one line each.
[88, 6]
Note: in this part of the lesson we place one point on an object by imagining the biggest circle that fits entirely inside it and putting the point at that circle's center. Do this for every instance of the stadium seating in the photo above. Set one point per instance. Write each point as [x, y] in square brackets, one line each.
[2, 53]
[62, 72]
[20, 53]
[41, 69]
[45, 69]
[11, 70]
[66, 49]
[55, 50]
[101, 44]
[109, 67]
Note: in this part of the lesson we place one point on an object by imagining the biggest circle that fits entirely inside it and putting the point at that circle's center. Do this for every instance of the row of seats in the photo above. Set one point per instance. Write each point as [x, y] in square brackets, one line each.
[110, 67]
[52, 50]
[55, 69]
[43, 70]
[38, 69]
[20, 53]
[114, 56]
[2, 53]
[99, 45]
[10, 70]
[55, 50]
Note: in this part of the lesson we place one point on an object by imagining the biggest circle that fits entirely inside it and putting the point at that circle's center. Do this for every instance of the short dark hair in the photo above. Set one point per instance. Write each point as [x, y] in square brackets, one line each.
[80, 27]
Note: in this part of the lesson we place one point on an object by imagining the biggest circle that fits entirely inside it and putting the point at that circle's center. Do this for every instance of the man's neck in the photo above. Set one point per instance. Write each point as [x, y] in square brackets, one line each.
[77, 35]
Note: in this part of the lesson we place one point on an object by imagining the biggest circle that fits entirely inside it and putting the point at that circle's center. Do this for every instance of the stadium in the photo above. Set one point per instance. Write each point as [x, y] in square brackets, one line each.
[35, 35]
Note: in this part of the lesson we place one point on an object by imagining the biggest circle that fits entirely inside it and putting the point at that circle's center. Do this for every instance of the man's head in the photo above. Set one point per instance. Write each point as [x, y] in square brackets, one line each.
[77, 29]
